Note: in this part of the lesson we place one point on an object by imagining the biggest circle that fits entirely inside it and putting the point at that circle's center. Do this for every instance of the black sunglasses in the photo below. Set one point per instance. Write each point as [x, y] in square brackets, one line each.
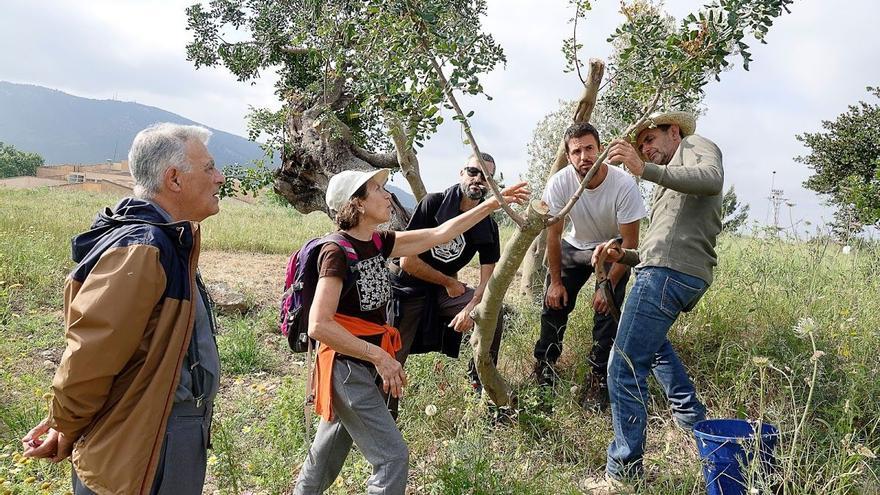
[474, 171]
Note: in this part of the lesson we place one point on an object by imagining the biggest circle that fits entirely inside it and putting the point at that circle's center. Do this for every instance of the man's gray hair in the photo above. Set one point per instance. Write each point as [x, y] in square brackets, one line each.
[155, 149]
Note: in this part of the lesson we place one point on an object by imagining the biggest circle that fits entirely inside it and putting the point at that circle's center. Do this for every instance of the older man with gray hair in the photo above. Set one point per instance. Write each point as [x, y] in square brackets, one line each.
[134, 390]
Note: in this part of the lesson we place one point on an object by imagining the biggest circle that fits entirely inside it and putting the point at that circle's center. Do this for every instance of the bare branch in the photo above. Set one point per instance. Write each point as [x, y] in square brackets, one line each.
[378, 160]
[591, 90]
[584, 110]
[574, 30]
[295, 50]
[447, 88]
[409, 163]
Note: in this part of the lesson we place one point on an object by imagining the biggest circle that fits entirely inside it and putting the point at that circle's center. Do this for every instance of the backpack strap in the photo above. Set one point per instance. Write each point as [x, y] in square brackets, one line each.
[377, 241]
[350, 253]
[344, 244]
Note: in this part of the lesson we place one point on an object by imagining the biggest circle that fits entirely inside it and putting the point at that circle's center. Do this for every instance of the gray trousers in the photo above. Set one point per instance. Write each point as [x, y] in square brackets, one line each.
[184, 457]
[359, 415]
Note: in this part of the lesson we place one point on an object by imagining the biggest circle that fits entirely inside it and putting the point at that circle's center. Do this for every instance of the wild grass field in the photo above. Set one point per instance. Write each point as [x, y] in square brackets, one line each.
[787, 334]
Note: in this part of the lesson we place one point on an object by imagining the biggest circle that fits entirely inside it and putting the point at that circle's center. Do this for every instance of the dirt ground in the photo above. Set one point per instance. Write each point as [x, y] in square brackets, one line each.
[262, 275]
[258, 275]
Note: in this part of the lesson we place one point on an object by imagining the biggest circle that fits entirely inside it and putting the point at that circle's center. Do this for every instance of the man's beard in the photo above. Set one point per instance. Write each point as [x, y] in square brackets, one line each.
[472, 194]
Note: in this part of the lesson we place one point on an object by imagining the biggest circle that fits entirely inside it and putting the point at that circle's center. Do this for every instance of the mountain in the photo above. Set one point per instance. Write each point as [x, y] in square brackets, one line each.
[63, 128]
[406, 198]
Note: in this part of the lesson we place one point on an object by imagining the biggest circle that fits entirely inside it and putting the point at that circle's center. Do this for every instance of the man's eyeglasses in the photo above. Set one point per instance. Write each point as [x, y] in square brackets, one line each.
[474, 171]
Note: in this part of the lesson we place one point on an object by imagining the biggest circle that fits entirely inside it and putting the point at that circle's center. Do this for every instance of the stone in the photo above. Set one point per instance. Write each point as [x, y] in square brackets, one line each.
[228, 300]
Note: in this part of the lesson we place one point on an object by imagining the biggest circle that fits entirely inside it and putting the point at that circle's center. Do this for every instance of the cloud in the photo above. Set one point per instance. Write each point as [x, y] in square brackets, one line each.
[123, 50]
[817, 61]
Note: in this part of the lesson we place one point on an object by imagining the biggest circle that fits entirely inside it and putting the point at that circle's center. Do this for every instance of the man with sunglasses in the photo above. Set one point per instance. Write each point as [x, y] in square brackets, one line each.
[431, 305]
[611, 206]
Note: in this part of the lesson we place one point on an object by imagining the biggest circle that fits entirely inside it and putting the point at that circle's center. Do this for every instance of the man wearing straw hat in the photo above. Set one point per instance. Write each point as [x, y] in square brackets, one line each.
[673, 270]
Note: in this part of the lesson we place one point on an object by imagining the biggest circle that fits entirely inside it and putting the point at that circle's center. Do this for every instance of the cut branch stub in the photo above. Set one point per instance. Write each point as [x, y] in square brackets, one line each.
[584, 110]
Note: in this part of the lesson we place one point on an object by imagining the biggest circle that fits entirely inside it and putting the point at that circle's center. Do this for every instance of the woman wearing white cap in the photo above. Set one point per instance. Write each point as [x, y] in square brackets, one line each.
[357, 346]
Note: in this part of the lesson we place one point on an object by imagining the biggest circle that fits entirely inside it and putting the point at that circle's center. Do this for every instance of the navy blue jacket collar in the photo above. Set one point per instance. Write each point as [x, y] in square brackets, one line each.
[128, 211]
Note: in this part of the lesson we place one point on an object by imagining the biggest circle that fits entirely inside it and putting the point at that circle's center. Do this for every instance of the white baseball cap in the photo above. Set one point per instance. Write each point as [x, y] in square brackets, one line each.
[343, 185]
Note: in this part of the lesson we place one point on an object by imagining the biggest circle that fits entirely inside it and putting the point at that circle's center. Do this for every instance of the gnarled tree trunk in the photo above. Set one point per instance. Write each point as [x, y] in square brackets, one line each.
[319, 146]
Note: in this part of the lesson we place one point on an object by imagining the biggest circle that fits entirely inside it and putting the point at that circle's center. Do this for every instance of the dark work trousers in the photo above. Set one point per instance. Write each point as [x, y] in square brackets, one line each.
[184, 456]
[576, 269]
[448, 307]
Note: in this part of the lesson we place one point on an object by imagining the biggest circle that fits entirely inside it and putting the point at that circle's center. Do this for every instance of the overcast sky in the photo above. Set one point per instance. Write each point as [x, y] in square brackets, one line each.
[817, 61]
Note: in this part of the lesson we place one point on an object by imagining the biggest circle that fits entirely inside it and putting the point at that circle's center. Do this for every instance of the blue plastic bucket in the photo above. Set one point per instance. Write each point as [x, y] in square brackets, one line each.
[727, 447]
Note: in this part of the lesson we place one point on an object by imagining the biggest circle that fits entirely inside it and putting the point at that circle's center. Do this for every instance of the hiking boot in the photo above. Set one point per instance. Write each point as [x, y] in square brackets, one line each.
[594, 394]
[545, 374]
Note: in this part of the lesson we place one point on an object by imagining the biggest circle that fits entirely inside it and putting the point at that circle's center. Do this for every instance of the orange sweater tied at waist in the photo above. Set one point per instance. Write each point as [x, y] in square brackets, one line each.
[326, 356]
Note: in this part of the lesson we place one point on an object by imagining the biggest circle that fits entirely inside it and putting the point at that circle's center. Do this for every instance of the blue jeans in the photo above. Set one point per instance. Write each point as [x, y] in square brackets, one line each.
[658, 296]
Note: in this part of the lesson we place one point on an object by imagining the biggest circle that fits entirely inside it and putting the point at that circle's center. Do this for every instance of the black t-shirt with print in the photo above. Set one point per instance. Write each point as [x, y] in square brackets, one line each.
[368, 297]
[454, 255]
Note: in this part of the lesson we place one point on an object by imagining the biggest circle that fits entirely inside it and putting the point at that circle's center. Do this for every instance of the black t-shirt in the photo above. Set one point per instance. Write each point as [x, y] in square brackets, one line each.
[450, 257]
[368, 297]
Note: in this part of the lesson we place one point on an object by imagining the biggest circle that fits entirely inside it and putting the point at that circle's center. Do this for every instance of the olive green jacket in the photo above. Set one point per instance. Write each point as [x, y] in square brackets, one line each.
[685, 211]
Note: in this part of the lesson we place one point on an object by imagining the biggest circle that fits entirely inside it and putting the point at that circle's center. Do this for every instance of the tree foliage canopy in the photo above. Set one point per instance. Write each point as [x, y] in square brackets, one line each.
[367, 49]
[733, 213]
[651, 53]
[14, 163]
[845, 159]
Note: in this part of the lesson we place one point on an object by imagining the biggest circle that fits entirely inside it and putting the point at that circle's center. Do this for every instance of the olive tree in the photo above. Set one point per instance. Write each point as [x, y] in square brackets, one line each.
[661, 68]
[356, 88]
[845, 159]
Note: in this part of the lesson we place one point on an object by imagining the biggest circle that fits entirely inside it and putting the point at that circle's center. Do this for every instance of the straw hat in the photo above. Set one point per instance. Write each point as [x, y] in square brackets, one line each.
[683, 120]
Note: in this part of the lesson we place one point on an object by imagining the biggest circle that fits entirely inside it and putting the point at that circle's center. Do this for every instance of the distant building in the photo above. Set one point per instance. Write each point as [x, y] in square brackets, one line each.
[110, 177]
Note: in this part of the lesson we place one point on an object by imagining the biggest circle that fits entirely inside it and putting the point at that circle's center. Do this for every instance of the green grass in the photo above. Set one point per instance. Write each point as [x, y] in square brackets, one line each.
[241, 351]
[762, 289]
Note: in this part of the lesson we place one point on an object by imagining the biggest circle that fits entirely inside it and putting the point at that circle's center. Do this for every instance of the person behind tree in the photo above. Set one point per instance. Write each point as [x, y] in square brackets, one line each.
[432, 306]
[356, 362]
[610, 206]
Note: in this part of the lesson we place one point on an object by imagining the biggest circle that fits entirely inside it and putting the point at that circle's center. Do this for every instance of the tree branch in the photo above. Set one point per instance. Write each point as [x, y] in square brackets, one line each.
[574, 30]
[295, 50]
[378, 160]
[584, 110]
[467, 127]
[409, 163]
